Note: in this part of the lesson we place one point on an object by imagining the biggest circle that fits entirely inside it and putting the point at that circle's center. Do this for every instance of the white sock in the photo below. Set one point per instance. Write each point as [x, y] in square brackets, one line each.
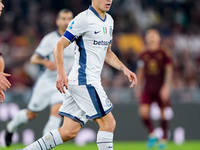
[48, 141]
[53, 123]
[105, 140]
[19, 119]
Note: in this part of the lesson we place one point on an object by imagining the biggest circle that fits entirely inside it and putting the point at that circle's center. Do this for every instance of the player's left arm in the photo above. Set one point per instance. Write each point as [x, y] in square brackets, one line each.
[4, 83]
[165, 89]
[1, 7]
[113, 61]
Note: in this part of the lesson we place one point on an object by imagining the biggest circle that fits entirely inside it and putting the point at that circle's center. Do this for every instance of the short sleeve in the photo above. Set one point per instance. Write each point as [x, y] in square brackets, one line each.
[44, 48]
[76, 28]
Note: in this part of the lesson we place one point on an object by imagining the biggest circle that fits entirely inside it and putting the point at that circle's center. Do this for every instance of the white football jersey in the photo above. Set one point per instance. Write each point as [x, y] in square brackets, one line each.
[45, 50]
[93, 36]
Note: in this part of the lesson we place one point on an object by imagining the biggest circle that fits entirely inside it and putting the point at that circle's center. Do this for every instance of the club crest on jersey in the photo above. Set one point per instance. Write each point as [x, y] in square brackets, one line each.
[111, 31]
[71, 25]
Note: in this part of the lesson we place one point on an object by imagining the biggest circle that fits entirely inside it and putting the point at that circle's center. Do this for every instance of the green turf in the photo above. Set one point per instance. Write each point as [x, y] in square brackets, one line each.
[193, 145]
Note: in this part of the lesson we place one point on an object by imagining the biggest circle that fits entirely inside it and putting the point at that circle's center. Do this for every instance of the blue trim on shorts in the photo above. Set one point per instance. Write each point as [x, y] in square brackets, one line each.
[98, 115]
[95, 100]
[62, 114]
[82, 62]
[97, 103]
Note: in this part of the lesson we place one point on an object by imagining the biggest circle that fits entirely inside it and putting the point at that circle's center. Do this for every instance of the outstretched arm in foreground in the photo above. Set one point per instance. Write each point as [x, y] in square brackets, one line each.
[4, 83]
[113, 61]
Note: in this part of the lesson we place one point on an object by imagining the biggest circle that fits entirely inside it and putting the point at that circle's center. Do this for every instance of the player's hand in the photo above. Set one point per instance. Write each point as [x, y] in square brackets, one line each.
[62, 81]
[165, 93]
[50, 65]
[131, 76]
[4, 83]
[2, 96]
[1, 7]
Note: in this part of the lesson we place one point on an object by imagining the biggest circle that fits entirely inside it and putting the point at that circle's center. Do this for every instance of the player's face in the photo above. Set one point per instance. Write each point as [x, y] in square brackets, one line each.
[152, 37]
[103, 5]
[64, 19]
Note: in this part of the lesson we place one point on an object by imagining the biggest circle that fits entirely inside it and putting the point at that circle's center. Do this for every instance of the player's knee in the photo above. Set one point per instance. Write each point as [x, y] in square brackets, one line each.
[31, 115]
[69, 135]
[144, 113]
[110, 125]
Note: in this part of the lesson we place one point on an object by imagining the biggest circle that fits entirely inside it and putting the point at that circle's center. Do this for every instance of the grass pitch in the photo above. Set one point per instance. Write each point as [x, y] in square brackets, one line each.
[189, 145]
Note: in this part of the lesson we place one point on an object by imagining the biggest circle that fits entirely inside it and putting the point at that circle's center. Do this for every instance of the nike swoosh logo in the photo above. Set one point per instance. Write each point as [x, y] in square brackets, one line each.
[96, 32]
[110, 147]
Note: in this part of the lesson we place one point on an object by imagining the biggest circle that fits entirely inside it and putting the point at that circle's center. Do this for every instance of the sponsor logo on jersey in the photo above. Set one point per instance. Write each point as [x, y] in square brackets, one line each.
[101, 42]
[71, 25]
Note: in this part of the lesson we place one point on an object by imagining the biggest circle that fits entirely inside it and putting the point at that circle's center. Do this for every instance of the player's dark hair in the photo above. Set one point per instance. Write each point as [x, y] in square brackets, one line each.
[63, 11]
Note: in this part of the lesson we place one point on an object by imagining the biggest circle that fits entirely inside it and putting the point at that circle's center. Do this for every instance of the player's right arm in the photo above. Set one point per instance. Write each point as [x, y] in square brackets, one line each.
[75, 29]
[37, 59]
[62, 79]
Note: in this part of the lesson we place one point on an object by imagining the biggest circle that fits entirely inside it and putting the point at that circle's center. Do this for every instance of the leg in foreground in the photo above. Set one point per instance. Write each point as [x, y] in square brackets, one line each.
[68, 131]
[105, 134]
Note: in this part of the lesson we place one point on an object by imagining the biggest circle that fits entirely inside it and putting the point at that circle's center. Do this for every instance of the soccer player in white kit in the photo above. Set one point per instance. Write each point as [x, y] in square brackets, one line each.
[92, 31]
[44, 92]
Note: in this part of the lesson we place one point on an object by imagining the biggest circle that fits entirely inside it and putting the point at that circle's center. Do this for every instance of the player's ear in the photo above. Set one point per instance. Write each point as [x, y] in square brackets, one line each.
[57, 22]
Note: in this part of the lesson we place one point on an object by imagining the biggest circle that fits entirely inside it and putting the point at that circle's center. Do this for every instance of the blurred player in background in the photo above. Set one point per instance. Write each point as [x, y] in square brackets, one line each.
[4, 83]
[154, 80]
[92, 30]
[44, 92]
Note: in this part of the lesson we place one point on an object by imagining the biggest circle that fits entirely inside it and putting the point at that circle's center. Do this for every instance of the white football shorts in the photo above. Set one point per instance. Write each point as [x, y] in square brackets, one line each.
[85, 102]
[44, 95]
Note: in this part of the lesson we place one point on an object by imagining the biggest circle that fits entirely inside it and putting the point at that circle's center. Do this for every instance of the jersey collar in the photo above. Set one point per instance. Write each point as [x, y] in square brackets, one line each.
[96, 13]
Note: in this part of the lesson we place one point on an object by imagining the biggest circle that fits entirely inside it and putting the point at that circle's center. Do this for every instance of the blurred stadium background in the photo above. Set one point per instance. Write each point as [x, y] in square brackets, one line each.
[24, 23]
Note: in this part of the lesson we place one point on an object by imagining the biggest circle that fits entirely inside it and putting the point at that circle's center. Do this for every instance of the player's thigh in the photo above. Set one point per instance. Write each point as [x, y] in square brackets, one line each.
[40, 98]
[144, 107]
[92, 100]
[56, 101]
[71, 109]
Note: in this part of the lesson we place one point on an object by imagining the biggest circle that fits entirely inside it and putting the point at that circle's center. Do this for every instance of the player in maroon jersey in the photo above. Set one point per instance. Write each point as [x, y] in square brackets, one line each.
[154, 79]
